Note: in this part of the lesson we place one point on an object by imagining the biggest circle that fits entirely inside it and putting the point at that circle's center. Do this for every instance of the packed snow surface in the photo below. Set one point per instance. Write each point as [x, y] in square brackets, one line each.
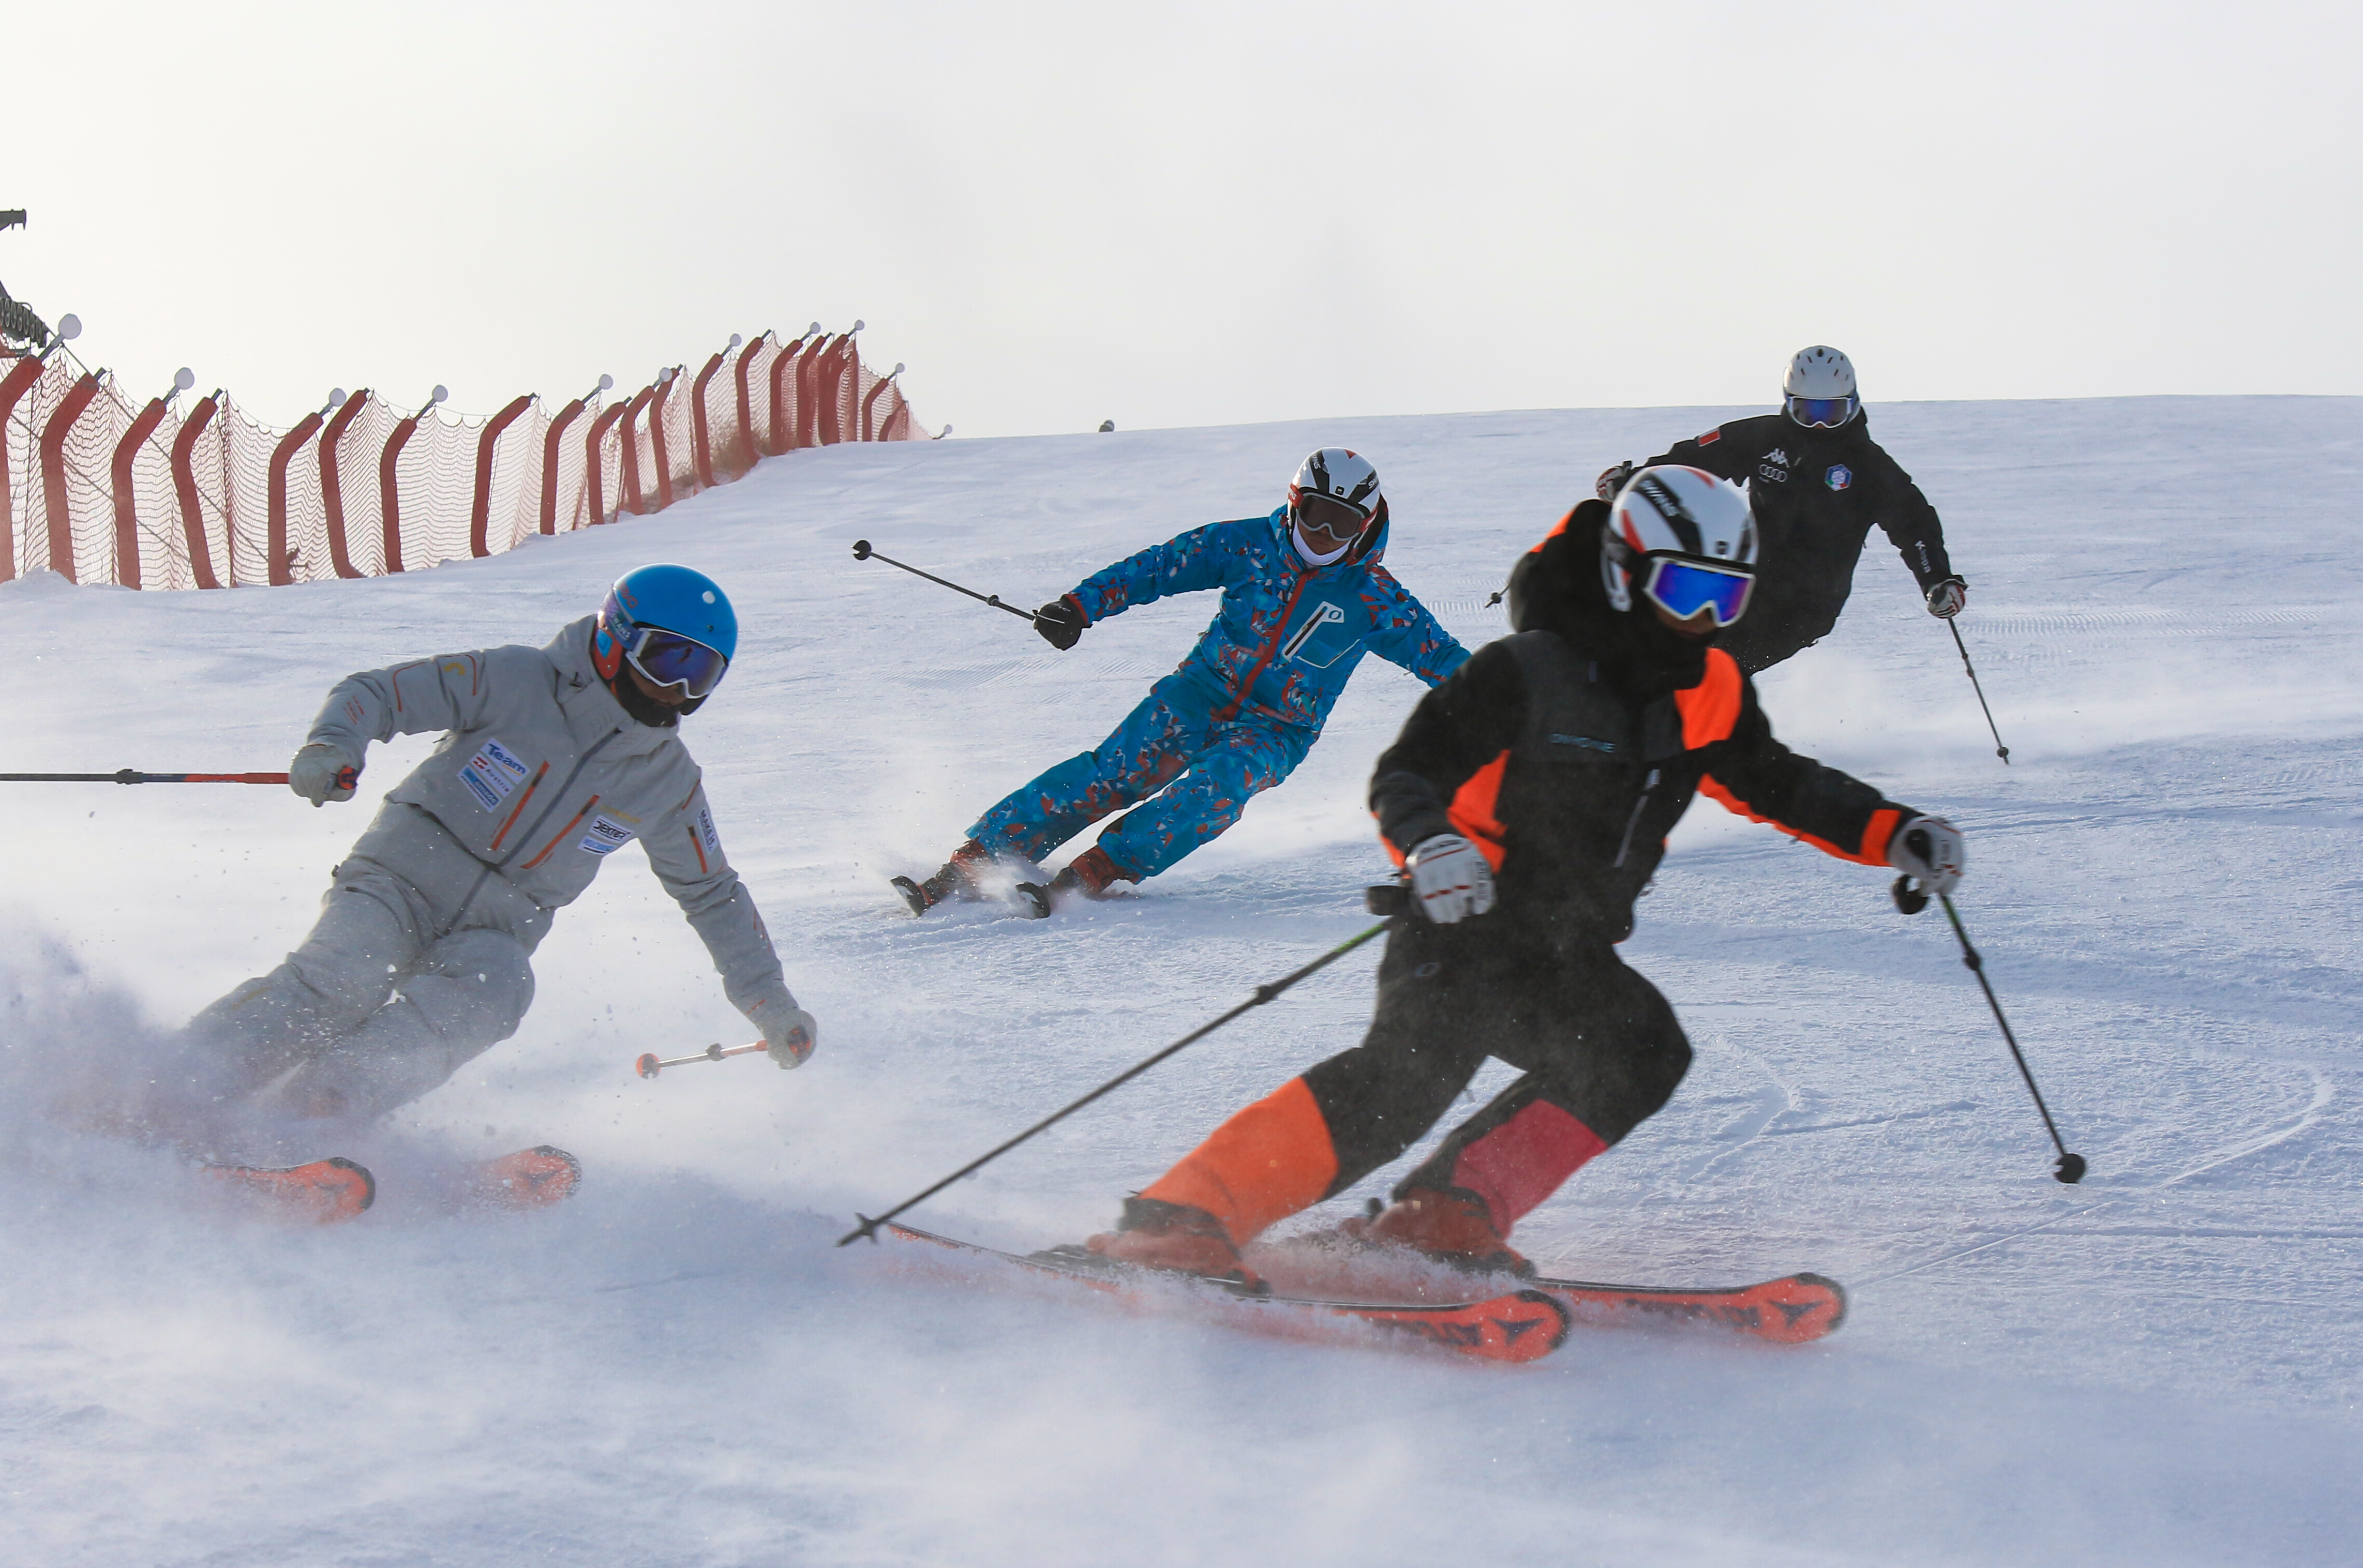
[2159, 1366]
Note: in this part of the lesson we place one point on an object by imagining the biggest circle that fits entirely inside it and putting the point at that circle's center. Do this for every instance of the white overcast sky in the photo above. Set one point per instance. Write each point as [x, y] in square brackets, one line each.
[1196, 214]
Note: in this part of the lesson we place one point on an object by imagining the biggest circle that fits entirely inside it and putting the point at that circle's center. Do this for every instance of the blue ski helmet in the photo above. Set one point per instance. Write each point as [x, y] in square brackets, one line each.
[675, 625]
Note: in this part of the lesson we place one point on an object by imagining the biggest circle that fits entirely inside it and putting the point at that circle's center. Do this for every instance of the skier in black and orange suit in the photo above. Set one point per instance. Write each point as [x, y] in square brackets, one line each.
[1529, 798]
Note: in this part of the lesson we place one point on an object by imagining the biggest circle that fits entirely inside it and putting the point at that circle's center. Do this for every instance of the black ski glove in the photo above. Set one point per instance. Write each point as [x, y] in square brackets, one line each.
[1061, 622]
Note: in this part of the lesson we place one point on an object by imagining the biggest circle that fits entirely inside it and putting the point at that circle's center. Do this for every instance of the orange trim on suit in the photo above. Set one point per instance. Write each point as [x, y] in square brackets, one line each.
[1265, 1164]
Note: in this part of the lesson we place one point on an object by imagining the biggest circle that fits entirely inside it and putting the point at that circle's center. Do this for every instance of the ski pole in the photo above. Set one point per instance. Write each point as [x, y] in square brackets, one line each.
[1263, 994]
[2000, 750]
[133, 776]
[1911, 900]
[862, 552]
[648, 1066]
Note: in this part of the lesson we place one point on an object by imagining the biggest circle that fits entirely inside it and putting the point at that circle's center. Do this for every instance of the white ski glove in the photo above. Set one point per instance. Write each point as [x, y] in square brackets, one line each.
[1931, 852]
[322, 773]
[1450, 877]
[790, 1034]
[1945, 600]
[1611, 480]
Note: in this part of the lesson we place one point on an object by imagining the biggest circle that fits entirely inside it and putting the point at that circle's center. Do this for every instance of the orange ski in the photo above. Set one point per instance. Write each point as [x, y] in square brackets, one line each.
[1520, 1325]
[1790, 1311]
[530, 1178]
[325, 1192]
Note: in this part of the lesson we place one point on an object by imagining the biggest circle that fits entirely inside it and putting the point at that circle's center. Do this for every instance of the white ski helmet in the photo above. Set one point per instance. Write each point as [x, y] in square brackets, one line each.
[1336, 474]
[1820, 391]
[1685, 539]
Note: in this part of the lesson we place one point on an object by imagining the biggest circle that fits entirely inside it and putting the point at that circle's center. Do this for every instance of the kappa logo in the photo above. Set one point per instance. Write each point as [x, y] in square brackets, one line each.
[1839, 477]
[1777, 455]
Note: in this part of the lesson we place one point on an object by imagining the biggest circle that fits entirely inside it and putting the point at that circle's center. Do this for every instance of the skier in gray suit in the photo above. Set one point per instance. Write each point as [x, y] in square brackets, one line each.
[553, 759]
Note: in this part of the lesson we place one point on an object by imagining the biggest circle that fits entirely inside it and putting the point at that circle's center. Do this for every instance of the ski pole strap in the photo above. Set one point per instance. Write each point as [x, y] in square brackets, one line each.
[869, 1227]
[133, 776]
[862, 552]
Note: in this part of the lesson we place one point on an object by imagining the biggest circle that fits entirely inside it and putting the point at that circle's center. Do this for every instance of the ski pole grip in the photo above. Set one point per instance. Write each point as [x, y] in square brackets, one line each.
[861, 549]
[1387, 899]
[1909, 899]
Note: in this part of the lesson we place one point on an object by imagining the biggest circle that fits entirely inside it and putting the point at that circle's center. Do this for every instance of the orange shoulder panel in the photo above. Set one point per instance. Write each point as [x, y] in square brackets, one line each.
[1711, 709]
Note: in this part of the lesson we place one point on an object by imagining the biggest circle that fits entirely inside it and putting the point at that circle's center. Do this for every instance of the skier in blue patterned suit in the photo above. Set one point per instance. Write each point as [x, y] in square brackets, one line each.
[1304, 599]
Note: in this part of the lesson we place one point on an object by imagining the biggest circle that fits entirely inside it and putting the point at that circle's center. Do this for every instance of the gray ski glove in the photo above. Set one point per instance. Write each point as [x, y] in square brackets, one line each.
[1450, 877]
[790, 1034]
[1931, 852]
[322, 773]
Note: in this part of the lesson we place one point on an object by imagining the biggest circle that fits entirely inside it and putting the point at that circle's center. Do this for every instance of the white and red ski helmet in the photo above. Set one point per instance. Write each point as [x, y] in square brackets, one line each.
[1676, 515]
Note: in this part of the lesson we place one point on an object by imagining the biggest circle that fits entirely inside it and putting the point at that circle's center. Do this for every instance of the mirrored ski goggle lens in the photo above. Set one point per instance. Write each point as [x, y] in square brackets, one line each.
[1822, 413]
[1683, 589]
[1332, 517]
[671, 660]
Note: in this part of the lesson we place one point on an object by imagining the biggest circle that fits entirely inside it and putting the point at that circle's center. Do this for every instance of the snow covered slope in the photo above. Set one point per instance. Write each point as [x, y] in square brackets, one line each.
[2161, 1366]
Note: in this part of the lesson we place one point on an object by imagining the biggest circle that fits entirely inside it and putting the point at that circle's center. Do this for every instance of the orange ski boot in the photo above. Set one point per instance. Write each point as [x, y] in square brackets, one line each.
[530, 1178]
[1174, 1238]
[1447, 1224]
[326, 1192]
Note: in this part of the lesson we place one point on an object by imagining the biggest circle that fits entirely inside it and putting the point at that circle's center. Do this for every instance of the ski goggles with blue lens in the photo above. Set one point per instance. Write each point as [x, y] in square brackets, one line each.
[1823, 412]
[1683, 587]
[668, 659]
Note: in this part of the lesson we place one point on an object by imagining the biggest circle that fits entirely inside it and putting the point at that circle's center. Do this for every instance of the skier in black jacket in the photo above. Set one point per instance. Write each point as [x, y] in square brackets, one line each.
[1817, 482]
[1529, 798]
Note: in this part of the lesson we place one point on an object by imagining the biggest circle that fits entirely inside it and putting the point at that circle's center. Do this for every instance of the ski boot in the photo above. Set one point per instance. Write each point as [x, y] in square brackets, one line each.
[1447, 1225]
[957, 879]
[1092, 875]
[1175, 1238]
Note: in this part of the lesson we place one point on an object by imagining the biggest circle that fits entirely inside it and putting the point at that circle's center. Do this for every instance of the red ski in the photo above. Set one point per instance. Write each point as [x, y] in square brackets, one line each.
[1520, 1325]
[1790, 1311]
[323, 1192]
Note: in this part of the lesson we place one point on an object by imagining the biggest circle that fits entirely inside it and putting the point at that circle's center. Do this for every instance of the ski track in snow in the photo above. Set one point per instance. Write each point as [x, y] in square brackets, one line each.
[2161, 1366]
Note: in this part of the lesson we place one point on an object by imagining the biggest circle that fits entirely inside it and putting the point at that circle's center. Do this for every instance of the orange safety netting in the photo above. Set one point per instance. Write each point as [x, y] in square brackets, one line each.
[100, 491]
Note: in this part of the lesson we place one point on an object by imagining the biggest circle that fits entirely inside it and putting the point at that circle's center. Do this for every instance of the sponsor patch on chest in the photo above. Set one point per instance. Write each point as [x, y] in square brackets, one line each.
[491, 771]
[604, 836]
[1839, 477]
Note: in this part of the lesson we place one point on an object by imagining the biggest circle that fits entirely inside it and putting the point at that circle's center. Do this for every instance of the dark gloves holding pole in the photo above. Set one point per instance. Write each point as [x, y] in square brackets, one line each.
[1945, 598]
[1061, 623]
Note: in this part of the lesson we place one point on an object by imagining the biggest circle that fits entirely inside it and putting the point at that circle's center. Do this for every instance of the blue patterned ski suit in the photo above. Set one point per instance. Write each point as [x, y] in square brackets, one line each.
[1242, 710]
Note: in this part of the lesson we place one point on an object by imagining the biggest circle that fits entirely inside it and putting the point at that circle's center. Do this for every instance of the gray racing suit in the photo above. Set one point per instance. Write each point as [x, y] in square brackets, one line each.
[419, 960]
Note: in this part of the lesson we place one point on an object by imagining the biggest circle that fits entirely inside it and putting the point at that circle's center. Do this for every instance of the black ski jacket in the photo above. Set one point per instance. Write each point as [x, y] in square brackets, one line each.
[1815, 494]
[1568, 752]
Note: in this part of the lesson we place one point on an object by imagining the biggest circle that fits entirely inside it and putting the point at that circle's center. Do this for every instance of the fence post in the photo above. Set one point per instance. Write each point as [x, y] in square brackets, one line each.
[19, 380]
[566, 416]
[808, 365]
[480, 513]
[631, 498]
[751, 447]
[279, 571]
[599, 428]
[332, 485]
[185, 485]
[389, 496]
[701, 438]
[53, 474]
[783, 412]
[868, 429]
[666, 380]
[126, 506]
